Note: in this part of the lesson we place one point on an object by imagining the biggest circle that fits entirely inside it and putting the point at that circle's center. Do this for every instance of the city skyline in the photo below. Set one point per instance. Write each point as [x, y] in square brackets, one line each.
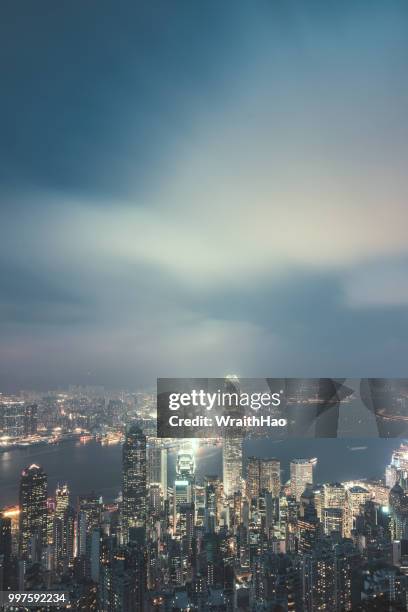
[203, 210]
[199, 523]
[329, 522]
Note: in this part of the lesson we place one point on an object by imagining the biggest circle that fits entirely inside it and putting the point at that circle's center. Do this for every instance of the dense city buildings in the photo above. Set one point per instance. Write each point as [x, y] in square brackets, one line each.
[18, 419]
[259, 534]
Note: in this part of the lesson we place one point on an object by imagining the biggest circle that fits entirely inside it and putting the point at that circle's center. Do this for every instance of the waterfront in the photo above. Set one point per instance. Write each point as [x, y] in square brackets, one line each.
[91, 466]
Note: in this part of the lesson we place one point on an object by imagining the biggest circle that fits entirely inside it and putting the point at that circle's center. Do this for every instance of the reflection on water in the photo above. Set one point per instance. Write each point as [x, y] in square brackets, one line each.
[91, 466]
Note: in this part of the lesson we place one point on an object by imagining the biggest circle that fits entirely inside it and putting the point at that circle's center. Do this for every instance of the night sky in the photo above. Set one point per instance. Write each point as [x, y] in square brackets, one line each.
[202, 188]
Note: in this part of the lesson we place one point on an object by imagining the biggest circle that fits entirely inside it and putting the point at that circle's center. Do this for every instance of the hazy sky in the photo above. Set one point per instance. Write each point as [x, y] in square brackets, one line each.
[204, 187]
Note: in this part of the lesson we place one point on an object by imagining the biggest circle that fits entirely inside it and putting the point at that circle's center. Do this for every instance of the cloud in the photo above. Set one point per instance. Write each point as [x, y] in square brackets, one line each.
[381, 284]
[205, 207]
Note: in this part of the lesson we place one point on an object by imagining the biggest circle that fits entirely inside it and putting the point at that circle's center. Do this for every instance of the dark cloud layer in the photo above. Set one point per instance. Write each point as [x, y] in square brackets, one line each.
[193, 189]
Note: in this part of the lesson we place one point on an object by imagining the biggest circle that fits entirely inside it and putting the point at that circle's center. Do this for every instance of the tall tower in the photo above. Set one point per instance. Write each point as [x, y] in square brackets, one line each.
[232, 442]
[157, 467]
[301, 474]
[59, 523]
[252, 481]
[61, 500]
[270, 479]
[5, 552]
[33, 512]
[232, 465]
[134, 480]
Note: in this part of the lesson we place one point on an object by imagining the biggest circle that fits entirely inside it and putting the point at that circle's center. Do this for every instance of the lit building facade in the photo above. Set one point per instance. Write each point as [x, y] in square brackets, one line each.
[134, 480]
[33, 512]
[301, 474]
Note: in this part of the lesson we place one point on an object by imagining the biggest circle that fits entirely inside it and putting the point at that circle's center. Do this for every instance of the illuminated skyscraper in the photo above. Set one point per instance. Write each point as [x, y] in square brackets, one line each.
[61, 500]
[232, 443]
[185, 466]
[89, 517]
[89, 514]
[69, 535]
[263, 475]
[134, 480]
[270, 476]
[232, 465]
[33, 512]
[182, 495]
[5, 552]
[333, 520]
[357, 497]
[157, 467]
[334, 495]
[185, 524]
[59, 524]
[301, 474]
[319, 578]
[213, 502]
[252, 480]
[182, 492]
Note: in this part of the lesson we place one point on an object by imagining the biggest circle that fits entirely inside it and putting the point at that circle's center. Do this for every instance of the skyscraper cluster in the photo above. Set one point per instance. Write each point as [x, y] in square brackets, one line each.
[193, 543]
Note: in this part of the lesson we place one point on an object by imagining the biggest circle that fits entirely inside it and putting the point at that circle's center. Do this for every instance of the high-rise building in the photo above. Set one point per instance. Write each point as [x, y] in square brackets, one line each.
[157, 467]
[199, 504]
[263, 475]
[270, 479]
[213, 499]
[5, 553]
[232, 442]
[334, 495]
[134, 480]
[252, 479]
[333, 520]
[61, 500]
[232, 465]
[301, 474]
[398, 506]
[185, 465]
[357, 497]
[69, 535]
[30, 419]
[59, 525]
[89, 517]
[122, 574]
[319, 578]
[182, 495]
[185, 524]
[155, 499]
[33, 512]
